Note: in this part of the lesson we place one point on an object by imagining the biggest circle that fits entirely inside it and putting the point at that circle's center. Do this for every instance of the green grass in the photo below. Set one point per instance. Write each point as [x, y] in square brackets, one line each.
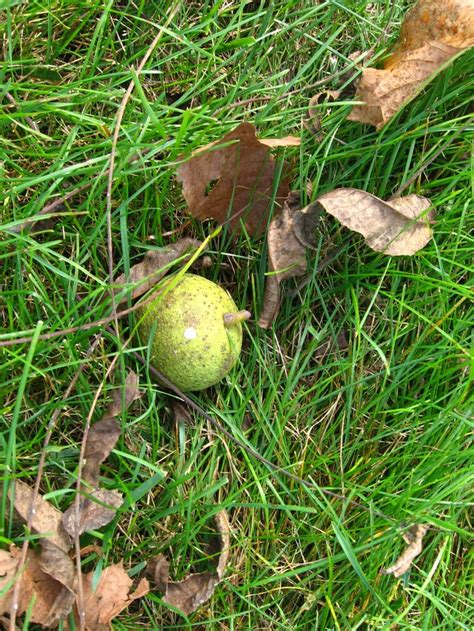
[386, 422]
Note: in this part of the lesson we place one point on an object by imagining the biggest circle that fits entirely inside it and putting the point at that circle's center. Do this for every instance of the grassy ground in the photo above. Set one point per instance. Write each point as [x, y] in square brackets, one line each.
[385, 422]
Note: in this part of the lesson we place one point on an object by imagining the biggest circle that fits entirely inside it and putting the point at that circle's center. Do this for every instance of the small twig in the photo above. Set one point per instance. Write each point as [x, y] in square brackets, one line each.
[110, 177]
[79, 327]
[58, 202]
[49, 208]
[113, 153]
[77, 501]
[28, 119]
[41, 464]
[251, 451]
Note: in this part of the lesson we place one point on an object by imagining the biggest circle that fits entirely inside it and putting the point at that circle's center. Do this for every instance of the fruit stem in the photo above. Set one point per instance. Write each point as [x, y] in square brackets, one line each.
[232, 318]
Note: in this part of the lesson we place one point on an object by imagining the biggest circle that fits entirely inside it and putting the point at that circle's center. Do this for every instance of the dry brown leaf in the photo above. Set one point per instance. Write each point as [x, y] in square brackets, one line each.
[414, 539]
[95, 511]
[122, 398]
[105, 433]
[46, 519]
[39, 590]
[100, 442]
[242, 171]
[315, 113]
[111, 596]
[150, 270]
[56, 563]
[399, 226]
[187, 595]
[99, 506]
[286, 258]
[432, 34]
[305, 224]
[49, 577]
[8, 565]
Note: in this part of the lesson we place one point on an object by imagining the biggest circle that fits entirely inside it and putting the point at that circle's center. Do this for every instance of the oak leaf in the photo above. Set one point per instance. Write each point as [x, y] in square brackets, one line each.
[432, 34]
[241, 171]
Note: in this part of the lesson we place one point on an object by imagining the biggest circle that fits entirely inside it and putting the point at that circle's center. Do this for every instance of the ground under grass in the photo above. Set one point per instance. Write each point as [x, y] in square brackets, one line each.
[385, 422]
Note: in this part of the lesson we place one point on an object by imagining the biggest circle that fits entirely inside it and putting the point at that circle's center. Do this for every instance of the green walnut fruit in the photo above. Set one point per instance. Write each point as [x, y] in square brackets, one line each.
[197, 332]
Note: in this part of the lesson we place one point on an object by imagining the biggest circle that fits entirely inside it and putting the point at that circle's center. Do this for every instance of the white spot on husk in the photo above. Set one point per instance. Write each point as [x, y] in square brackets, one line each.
[190, 333]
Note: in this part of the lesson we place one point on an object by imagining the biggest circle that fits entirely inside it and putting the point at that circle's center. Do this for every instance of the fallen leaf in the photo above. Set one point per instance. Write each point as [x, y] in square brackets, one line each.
[40, 594]
[95, 511]
[305, 224]
[399, 226]
[286, 258]
[49, 577]
[315, 112]
[122, 398]
[46, 519]
[241, 171]
[154, 266]
[56, 563]
[414, 538]
[111, 596]
[8, 565]
[53, 559]
[100, 442]
[194, 590]
[98, 507]
[432, 34]
[45, 597]
[181, 413]
[105, 433]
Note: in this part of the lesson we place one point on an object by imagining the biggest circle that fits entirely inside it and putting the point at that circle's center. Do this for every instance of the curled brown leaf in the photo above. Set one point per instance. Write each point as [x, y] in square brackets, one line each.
[194, 590]
[414, 538]
[432, 34]
[315, 113]
[399, 226]
[286, 258]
